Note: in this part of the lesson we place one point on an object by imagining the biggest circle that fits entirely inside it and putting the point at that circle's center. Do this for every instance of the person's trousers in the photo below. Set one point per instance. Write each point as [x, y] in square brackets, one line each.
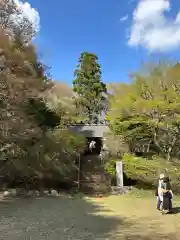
[158, 203]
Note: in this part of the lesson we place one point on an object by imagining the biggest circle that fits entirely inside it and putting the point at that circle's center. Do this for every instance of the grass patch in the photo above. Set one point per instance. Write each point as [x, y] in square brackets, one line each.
[138, 209]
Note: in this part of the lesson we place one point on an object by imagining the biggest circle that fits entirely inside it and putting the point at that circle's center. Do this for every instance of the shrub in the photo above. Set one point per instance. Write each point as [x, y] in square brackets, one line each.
[146, 171]
[110, 168]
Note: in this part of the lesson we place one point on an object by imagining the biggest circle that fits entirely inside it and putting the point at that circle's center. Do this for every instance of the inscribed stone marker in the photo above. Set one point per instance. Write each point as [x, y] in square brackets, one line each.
[119, 173]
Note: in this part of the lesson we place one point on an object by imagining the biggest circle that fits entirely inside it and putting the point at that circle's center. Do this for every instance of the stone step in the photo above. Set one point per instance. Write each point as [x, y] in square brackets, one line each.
[93, 187]
[91, 159]
[96, 177]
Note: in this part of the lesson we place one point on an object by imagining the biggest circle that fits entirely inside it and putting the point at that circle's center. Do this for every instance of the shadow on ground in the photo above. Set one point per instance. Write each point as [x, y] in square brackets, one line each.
[176, 210]
[55, 218]
[63, 218]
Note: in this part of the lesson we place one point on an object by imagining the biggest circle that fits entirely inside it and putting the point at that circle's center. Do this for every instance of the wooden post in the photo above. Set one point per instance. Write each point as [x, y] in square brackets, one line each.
[119, 173]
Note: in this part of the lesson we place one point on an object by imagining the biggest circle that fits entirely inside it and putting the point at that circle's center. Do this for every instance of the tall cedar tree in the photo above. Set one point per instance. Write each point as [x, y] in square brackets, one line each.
[90, 91]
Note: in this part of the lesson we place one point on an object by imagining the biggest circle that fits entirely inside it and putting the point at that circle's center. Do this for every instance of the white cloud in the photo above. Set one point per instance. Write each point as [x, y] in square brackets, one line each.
[28, 12]
[152, 29]
[124, 18]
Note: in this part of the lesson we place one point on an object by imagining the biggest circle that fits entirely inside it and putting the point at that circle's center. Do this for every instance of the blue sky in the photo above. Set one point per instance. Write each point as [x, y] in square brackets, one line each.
[108, 28]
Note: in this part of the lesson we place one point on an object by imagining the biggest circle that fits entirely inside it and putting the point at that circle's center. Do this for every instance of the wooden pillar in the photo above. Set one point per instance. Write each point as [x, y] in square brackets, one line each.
[119, 173]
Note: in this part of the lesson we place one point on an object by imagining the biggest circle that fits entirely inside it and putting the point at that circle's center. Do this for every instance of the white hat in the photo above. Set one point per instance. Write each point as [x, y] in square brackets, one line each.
[161, 176]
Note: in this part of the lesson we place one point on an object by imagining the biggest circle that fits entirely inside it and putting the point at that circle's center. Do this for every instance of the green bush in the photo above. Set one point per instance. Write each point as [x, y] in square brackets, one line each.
[146, 171]
[110, 167]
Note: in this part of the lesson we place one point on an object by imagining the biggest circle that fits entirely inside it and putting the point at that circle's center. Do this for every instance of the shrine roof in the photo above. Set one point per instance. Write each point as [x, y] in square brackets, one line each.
[90, 130]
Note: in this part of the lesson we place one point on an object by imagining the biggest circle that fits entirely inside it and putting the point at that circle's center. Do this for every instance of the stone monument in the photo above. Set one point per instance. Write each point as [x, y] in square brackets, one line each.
[119, 174]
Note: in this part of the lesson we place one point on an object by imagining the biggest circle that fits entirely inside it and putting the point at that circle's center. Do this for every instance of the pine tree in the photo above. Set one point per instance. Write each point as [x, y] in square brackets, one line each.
[90, 91]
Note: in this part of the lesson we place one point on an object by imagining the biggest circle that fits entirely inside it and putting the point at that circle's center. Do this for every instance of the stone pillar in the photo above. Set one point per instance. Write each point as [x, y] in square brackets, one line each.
[119, 173]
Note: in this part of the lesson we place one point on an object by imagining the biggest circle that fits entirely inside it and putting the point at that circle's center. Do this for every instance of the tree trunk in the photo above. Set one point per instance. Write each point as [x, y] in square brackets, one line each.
[41, 183]
[170, 149]
[157, 144]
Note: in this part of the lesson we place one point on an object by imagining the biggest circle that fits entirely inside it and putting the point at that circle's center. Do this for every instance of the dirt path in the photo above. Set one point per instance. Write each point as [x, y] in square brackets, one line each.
[63, 218]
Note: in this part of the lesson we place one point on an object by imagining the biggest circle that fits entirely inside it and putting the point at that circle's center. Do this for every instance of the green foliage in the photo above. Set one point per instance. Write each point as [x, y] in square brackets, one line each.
[44, 116]
[146, 171]
[71, 141]
[146, 112]
[145, 115]
[88, 87]
[141, 168]
[110, 167]
[56, 154]
[35, 140]
[115, 145]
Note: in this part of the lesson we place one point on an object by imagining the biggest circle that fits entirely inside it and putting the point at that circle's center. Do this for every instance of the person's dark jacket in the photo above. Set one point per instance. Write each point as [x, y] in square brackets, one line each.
[166, 186]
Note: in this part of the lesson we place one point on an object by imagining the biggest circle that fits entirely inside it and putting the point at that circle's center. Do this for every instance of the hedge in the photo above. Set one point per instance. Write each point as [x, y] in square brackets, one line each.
[146, 171]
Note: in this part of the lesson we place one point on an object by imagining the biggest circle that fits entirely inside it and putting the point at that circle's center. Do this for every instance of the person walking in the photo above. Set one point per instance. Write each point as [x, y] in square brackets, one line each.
[167, 195]
[157, 193]
[164, 194]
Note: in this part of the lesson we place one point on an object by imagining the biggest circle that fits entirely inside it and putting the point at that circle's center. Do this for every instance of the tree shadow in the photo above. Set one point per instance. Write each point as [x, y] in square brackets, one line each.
[56, 218]
[65, 217]
[175, 210]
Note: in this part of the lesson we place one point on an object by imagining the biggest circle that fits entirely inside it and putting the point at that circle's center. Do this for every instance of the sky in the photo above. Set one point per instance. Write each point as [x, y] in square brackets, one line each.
[122, 33]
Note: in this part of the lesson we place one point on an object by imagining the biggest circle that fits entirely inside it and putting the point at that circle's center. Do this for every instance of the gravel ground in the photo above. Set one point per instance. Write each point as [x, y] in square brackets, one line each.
[60, 218]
